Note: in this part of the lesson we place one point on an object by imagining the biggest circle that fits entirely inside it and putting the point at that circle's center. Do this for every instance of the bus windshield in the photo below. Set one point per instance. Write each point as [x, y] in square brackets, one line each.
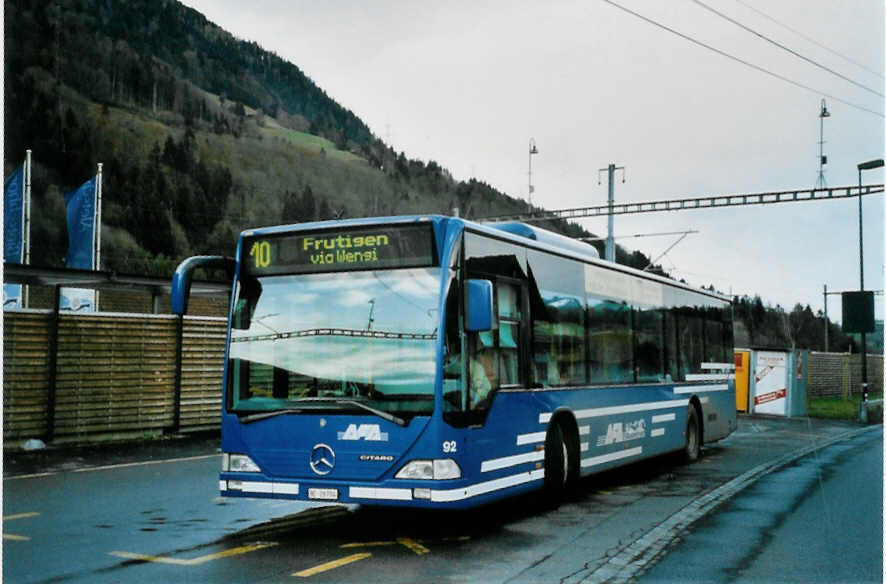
[333, 341]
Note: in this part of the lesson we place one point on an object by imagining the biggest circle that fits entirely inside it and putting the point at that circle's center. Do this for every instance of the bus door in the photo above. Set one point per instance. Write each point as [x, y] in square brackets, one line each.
[496, 356]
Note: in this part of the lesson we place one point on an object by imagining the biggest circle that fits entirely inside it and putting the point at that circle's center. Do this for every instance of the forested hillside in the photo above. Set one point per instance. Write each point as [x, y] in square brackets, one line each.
[201, 135]
[758, 325]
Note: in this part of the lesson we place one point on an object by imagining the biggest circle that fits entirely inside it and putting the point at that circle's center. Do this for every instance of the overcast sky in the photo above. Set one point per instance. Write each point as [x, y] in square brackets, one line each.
[468, 83]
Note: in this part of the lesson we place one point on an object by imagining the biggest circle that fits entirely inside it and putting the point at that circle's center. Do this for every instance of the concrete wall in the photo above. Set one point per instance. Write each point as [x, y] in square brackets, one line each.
[839, 374]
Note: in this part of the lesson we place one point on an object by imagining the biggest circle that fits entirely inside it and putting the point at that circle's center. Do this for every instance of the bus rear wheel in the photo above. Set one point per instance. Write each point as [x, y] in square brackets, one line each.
[692, 447]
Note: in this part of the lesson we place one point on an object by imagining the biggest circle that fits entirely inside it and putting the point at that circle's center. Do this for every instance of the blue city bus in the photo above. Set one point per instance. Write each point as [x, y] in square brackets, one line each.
[435, 362]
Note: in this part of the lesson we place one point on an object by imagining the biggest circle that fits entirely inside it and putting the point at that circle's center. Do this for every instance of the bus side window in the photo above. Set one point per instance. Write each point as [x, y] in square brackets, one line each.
[509, 317]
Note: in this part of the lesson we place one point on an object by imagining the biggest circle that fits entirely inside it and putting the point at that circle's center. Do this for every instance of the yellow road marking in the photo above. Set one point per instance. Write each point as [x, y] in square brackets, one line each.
[367, 544]
[20, 516]
[413, 545]
[156, 559]
[409, 544]
[332, 565]
[194, 561]
[16, 537]
[13, 537]
[234, 552]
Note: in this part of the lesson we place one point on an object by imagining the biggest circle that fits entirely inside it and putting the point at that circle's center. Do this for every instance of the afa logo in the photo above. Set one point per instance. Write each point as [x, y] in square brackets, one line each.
[619, 432]
[367, 432]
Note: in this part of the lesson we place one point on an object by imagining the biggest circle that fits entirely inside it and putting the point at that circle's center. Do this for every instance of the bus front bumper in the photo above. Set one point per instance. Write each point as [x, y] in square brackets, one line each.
[437, 494]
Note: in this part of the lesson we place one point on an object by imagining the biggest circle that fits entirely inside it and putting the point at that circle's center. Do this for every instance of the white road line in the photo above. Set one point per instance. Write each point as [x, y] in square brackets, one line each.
[113, 466]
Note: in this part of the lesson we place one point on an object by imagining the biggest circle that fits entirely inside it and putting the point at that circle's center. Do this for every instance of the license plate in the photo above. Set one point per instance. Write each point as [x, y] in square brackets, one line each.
[324, 494]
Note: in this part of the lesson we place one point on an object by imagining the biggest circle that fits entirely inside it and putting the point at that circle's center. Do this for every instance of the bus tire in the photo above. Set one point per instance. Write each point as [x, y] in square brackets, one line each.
[561, 465]
[692, 446]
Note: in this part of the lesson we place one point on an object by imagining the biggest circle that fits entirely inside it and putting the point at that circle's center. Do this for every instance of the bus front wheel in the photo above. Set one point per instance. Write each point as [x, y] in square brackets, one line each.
[692, 447]
[561, 465]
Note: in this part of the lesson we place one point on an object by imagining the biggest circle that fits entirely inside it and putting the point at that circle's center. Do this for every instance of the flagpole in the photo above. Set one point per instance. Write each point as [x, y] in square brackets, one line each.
[97, 230]
[97, 260]
[26, 209]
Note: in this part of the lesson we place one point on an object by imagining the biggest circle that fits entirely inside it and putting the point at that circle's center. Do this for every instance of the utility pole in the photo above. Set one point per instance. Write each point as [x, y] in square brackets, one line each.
[610, 238]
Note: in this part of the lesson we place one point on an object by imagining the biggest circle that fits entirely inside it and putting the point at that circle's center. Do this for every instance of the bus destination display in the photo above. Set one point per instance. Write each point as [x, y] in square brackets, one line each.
[332, 251]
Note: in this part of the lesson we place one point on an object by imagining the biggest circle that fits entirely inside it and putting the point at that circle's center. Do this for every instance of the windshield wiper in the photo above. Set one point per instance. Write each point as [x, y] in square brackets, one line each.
[265, 415]
[320, 400]
[361, 405]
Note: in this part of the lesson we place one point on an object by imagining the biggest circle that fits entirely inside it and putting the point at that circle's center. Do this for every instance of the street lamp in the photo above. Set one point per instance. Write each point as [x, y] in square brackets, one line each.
[532, 150]
[869, 165]
[822, 159]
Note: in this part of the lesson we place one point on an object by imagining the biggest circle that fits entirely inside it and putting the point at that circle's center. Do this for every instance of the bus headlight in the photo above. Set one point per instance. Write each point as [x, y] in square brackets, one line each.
[238, 463]
[434, 470]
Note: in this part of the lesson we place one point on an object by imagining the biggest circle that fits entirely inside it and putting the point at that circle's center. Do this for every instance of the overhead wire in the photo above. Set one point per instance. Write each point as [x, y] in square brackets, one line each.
[811, 40]
[742, 61]
[786, 48]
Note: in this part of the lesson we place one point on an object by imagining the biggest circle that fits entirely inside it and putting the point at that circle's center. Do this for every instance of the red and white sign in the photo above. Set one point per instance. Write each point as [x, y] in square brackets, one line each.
[772, 396]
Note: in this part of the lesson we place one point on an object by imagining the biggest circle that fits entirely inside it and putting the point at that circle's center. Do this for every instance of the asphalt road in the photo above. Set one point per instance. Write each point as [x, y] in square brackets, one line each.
[817, 520]
[152, 514]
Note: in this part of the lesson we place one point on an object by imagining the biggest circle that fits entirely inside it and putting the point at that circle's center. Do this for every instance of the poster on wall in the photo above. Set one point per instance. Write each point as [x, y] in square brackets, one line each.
[77, 300]
[12, 296]
[770, 377]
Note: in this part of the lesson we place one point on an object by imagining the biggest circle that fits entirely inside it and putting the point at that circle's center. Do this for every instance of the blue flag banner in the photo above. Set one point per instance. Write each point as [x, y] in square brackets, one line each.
[13, 217]
[80, 205]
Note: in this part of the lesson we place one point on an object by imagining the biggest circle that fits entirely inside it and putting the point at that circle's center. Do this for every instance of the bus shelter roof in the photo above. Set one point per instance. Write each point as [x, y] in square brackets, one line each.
[103, 280]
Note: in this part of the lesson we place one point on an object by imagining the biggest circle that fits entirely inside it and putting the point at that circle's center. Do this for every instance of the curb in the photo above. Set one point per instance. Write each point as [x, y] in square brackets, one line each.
[632, 559]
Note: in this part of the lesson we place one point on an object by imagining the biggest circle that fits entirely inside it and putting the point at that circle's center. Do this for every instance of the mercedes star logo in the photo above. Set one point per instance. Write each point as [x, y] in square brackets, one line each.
[322, 459]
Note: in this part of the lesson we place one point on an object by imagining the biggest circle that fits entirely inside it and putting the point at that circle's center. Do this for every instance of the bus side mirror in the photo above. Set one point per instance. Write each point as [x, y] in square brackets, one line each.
[479, 306]
[184, 273]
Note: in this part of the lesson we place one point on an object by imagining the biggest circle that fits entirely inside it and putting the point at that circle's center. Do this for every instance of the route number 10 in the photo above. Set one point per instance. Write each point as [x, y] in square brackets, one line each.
[261, 254]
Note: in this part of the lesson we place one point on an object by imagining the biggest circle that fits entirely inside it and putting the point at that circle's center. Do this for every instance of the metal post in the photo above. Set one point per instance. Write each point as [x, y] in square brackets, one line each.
[177, 390]
[27, 211]
[826, 321]
[532, 150]
[871, 164]
[822, 160]
[610, 241]
[610, 207]
[53, 365]
[864, 348]
[97, 231]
